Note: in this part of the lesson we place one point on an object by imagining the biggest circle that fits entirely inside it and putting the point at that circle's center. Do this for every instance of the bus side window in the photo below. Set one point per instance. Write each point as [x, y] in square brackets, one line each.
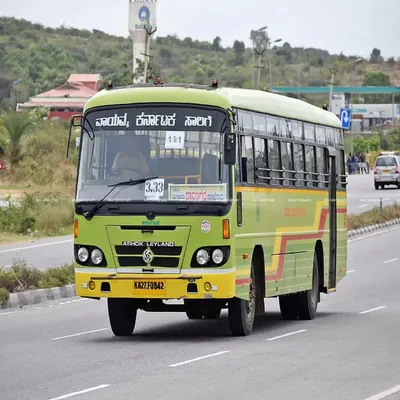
[274, 161]
[310, 166]
[340, 169]
[321, 167]
[298, 156]
[287, 163]
[247, 158]
[261, 161]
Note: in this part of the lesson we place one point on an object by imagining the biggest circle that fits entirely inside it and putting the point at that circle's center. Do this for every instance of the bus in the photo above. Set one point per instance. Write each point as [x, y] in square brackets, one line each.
[198, 198]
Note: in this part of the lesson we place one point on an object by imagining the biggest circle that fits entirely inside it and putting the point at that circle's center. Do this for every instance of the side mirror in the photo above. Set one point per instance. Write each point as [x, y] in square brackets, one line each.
[229, 149]
[76, 121]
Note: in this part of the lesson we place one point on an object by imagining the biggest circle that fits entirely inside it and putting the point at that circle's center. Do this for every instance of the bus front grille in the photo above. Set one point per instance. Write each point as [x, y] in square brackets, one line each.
[132, 261]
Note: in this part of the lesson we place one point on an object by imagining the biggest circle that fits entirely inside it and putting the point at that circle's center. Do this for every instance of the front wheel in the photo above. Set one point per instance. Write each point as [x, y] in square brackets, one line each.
[242, 312]
[122, 315]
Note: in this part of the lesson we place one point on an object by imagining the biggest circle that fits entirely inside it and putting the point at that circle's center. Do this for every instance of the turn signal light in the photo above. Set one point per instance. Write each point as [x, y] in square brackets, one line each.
[225, 229]
[75, 228]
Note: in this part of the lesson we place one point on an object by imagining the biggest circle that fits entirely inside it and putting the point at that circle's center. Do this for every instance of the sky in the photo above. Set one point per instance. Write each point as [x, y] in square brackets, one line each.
[353, 27]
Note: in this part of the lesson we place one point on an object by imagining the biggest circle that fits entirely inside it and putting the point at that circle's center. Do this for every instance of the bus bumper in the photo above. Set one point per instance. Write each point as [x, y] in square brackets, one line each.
[157, 286]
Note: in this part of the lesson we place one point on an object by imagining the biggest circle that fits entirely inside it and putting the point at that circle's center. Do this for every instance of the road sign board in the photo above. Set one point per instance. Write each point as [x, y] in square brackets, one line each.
[345, 117]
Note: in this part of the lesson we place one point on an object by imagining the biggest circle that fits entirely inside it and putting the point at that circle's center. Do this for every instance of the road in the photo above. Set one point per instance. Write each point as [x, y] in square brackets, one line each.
[40, 253]
[350, 351]
[362, 196]
[47, 253]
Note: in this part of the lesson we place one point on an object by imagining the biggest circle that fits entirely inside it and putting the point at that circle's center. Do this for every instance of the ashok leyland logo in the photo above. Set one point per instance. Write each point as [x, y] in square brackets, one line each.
[115, 121]
[147, 256]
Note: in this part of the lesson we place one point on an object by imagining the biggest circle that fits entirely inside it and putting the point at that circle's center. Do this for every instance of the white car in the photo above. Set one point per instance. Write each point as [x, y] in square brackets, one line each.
[386, 170]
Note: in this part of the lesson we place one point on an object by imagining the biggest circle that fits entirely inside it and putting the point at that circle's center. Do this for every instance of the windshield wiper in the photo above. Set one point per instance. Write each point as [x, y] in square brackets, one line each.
[89, 214]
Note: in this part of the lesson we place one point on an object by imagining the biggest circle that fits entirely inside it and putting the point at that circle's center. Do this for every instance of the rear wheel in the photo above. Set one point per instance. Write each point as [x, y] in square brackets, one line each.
[307, 302]
[242, 312]
[122, 315]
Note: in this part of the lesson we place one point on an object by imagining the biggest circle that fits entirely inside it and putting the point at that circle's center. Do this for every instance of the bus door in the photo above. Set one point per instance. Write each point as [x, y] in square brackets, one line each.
[332, 219]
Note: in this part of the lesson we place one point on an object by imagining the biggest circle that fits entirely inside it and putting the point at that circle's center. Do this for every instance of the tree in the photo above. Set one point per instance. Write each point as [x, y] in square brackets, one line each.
[375, 57]
[153, 71]
[216, 44]
[376, 79]
[17, 126]
[239, 49]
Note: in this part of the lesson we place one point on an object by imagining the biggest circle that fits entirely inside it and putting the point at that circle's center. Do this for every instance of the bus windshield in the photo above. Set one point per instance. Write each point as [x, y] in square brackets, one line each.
[180, 146]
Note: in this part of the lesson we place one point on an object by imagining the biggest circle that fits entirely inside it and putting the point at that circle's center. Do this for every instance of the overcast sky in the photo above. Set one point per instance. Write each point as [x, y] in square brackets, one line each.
[351, 26]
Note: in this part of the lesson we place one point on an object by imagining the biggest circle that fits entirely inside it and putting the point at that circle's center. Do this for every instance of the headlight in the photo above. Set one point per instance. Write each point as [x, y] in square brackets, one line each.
[83, 254]
[202, 257]
[96, 256]
[217, 256]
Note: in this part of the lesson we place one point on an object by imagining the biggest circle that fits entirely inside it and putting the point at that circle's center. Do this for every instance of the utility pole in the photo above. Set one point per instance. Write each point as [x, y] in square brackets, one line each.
[270, 59]
[333, 72]
[259, 66]
[147, 55]
[257, 38]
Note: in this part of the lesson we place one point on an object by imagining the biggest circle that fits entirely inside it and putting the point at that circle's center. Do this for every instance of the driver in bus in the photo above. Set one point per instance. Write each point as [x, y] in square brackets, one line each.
[130, 162]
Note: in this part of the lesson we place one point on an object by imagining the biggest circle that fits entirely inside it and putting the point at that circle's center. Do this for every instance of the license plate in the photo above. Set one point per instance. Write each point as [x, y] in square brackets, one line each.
[148, 286]
[385, 171]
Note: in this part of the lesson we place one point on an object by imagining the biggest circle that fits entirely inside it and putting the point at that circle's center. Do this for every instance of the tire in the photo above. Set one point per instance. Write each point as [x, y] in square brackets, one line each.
[122, 315]
[242, 312]
[307, 302]
[288, 307]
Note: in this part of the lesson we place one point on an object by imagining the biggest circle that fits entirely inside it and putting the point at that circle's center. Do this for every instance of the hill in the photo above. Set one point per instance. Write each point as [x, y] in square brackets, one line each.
[43, 57]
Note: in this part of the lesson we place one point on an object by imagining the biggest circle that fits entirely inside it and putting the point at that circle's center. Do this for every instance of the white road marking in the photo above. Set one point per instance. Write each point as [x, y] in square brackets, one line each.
[35, 246]
[79, 334]
[66, 396]
[389, 261]
[199, 358]
[363, 205]
[386, 393]
[373, 309]
[287, 334]
[7, 313]
[352, 270]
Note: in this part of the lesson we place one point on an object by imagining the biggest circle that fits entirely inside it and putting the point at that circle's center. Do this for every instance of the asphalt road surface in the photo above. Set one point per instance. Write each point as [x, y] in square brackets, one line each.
[47, 253]
[362, 196]
[41, 253]
[351, 351]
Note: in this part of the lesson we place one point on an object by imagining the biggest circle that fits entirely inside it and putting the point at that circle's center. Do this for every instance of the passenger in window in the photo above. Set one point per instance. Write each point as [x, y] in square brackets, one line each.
[131, 163]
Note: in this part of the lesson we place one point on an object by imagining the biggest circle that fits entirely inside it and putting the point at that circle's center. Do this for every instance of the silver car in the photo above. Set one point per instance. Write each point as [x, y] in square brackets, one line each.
[386, 170]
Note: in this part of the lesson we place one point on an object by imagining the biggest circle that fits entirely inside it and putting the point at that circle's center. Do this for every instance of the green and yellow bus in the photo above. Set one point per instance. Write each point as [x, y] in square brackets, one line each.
[217, 197]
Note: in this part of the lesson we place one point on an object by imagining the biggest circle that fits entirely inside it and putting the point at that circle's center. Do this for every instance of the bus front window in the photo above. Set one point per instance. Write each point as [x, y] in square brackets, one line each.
[186, 161]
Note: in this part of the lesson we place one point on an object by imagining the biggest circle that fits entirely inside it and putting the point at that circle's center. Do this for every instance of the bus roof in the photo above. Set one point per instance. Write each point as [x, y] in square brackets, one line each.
[224, 97]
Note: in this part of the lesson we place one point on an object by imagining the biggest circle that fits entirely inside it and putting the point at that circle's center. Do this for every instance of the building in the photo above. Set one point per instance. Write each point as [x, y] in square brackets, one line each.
[67, 99]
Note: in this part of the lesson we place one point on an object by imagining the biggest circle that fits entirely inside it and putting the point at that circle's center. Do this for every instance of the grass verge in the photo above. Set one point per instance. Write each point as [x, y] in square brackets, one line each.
[20, 278]
[372, 217]
[36, 214]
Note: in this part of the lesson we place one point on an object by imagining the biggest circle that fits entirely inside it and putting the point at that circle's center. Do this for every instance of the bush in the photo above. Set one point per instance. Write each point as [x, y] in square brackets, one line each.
[20, 278]
[356, 221]
[37, 212]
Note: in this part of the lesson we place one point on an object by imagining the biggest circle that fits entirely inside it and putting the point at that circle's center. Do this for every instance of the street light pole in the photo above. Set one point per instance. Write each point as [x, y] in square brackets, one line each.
[351, 104]
[270, 59]
[255, 43]
[333, 72]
